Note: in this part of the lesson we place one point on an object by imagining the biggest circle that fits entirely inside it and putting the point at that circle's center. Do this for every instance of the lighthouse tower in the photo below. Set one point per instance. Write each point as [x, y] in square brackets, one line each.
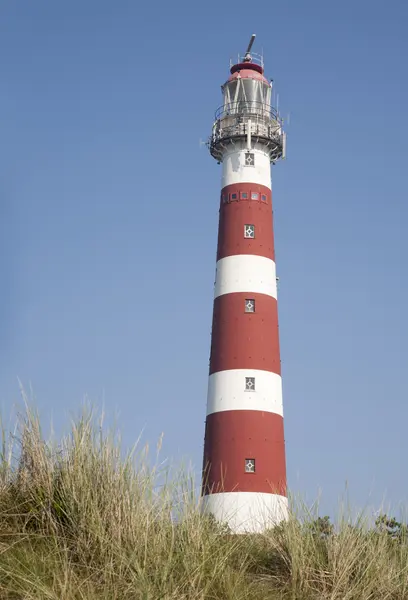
[244, 469]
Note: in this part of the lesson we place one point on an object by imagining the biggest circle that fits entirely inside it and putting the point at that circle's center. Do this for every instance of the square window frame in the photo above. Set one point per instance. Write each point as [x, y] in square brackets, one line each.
[253, 158]
[253, 461]
[250, 312]
[246, 383]
[264, 198]
[254, 195]
[249, 237]
[243, 195]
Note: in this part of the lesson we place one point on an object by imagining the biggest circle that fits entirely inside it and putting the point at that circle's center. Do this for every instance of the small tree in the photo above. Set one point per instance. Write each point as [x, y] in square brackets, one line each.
[322, 527]
[391, 527]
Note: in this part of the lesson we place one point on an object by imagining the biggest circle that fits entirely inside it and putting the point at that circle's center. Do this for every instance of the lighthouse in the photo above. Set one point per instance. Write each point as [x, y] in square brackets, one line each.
[244, 467]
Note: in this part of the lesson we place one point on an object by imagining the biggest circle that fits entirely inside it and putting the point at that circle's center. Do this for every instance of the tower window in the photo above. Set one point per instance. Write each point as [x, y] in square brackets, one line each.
[224, 198]
[249, 231]
[250, 159]
[249, 465]
[263, 197]
[254, 196]
[244, 196]
[249, 384]
[249, 305]
[234, 196]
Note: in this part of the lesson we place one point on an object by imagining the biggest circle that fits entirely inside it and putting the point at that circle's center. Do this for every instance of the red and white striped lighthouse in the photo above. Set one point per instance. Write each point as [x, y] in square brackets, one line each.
[244, 469]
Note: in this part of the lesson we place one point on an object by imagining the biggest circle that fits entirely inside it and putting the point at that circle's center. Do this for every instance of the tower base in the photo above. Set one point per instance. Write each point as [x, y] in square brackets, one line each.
[247, 512]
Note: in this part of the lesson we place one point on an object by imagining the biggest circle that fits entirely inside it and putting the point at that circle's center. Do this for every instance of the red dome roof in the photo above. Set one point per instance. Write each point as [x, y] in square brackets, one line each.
[247, 70]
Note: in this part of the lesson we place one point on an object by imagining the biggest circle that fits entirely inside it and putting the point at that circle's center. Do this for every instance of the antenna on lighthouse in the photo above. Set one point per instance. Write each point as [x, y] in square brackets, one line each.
[248, 56]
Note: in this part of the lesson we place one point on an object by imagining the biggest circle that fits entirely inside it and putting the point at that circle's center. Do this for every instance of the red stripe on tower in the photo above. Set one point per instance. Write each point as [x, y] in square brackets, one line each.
[244, 468]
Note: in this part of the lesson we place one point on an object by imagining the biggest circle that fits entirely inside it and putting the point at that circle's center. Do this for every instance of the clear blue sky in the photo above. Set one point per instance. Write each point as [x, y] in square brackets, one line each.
[109, 215]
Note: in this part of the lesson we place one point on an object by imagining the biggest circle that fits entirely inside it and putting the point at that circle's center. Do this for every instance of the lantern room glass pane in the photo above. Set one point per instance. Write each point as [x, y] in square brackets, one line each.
[247, 96]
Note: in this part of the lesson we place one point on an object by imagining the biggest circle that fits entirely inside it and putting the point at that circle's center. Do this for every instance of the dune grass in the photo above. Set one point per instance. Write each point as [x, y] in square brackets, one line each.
[80, 521]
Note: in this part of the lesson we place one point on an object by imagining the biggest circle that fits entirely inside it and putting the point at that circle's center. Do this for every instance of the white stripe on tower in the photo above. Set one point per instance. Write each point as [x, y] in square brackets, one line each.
[226, 392]
[234, 169]
[247, 511]
[245, 273]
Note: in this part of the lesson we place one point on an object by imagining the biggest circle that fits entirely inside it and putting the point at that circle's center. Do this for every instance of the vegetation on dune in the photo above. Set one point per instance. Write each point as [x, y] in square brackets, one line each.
[80, 521]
